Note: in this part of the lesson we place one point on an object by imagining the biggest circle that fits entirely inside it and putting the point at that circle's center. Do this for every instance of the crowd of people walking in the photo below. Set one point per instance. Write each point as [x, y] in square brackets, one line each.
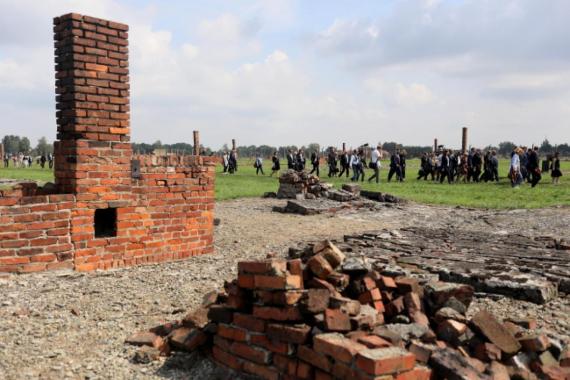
[444, 165]
[22, 160]
[525, 166]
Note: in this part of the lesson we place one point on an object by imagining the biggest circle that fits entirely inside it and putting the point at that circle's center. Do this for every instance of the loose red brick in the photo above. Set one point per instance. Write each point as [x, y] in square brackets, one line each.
[145, 339]
[349, 306]
[295, 267]
[337, 320]
[407, 284]
[314, 358]
[422, 351]
[251, 353]
[319, 266]
[487, 352]
[275, 346]
[488, 326]
[534, 342]
[233, 333]
[264, 372]
[412, 302]
[277, 282]
[304, 371]
[187, 339]
[315, 301]
[249, 322]
[333, 255]
[246, 281]
[418, 373]
[287, 313]
[373, 341]
[343, 371]
[369, 297]
[449, 330]
[227, 359]
[297, 334]
[267, 267]
[337, 346]
[383, 361]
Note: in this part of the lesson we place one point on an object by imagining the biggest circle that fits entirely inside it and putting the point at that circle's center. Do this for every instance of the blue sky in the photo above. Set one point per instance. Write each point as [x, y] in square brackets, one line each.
[295, 72]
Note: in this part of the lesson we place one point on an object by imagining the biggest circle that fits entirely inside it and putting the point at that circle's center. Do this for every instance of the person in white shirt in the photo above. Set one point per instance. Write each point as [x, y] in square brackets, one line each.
[515, 169]
[375, 157]
[354, 162]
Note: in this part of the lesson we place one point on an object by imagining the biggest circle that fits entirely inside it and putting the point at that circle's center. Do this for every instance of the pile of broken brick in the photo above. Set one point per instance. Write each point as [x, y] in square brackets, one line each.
[309, 196]
[323, 316]
[293, 183]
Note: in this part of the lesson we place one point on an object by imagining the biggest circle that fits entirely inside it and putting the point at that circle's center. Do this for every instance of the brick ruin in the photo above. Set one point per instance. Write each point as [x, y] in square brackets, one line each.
[329, 313]
[108, 208]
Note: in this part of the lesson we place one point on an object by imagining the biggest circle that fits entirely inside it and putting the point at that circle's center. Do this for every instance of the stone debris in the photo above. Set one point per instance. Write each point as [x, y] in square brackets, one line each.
[310, 196]
[325, 314]
[513, 265]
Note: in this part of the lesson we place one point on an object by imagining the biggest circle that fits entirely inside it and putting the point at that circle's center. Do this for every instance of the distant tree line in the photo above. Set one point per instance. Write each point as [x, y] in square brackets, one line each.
[17, 144]
[179, 148]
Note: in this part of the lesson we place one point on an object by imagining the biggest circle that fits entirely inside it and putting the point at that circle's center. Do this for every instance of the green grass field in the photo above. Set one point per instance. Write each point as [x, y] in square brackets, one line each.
[483, 195]
[35, 173]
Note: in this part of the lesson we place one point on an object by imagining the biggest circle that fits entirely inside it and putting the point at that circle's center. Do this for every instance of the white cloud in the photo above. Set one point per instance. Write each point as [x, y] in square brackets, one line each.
[422, 70]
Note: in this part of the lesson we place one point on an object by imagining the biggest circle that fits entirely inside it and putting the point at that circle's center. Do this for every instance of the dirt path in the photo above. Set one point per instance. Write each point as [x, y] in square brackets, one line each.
[72, 325]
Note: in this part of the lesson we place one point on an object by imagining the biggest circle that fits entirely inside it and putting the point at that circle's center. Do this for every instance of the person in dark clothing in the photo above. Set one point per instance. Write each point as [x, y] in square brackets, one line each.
[395, 166]
[453, 166]
[290, 160]
[403, 164]
[534, 167]
[232, 162]
[494, 166]
[525, 164]
[332, 162]
[423, 172]
[43, 160]
[361, 164]
[344, 164]
[315, 163]
[486, 176]
[476, 161]
[470, 164]
[555, 169]
[276, 164]
[463, 168]
[300, 160]
[444, 169]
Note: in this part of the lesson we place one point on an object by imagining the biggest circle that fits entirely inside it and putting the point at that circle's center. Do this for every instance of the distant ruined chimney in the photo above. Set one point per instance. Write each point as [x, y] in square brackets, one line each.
[464, 140]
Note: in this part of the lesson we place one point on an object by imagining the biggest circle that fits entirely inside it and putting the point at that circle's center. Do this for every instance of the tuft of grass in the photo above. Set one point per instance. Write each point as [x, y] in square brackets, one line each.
[245, 183]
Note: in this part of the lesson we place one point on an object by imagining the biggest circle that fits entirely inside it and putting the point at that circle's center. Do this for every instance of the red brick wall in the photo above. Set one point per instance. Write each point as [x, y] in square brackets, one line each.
[166, 213]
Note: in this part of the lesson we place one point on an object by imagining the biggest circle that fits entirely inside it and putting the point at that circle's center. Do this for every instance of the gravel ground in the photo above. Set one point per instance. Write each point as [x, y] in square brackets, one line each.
[66, 325]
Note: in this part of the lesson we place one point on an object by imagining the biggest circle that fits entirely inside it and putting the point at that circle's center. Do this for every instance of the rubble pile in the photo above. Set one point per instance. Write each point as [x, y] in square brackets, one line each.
[323, 315]
[309, 196]
[293, 183]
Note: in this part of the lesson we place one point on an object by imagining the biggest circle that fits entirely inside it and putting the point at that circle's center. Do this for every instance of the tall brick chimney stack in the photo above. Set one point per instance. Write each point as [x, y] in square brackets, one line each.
[93, 151]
